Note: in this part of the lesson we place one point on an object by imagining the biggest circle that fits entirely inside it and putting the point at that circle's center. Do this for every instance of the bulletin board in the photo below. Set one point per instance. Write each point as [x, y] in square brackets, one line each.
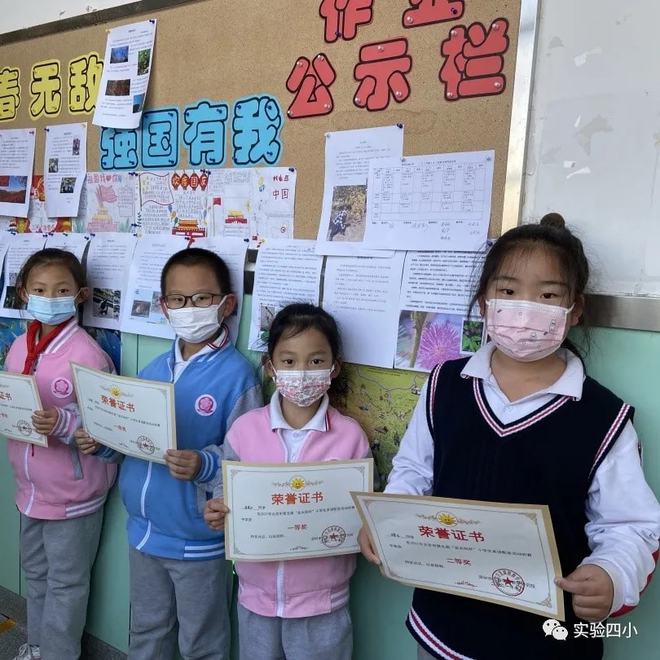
[224, 52]
[275, 77]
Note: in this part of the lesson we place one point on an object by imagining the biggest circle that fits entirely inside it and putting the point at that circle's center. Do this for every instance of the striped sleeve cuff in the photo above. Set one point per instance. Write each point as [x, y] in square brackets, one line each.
[62, 425]
[105, 452]
[208, 468]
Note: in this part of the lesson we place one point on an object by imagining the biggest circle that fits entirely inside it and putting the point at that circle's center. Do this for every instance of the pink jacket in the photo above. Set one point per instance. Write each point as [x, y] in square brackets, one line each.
[301, 587]
[58, 482]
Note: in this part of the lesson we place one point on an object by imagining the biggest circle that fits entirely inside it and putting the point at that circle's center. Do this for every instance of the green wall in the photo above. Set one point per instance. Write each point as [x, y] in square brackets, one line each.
[626, 361]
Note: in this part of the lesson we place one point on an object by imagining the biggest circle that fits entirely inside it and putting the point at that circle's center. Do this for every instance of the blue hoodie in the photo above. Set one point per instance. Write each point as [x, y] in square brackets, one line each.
[165, 515]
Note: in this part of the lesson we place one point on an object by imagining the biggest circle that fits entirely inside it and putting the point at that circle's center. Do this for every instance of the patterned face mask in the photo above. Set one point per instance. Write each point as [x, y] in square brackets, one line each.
[303, 388]
[526, 331]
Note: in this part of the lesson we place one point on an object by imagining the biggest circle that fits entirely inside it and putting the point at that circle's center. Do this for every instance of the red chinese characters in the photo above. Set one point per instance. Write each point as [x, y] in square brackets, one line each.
[451, 534]
[310, 82]
[426, 12]
[381, 73]
[342, 17]
[474, 60]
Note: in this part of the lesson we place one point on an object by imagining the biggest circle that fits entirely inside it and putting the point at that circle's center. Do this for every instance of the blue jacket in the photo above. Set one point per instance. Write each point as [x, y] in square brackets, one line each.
[165, 515]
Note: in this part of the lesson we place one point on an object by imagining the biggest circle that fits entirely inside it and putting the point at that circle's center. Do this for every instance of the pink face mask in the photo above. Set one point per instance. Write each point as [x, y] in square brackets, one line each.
[303, 388]
[526, 331]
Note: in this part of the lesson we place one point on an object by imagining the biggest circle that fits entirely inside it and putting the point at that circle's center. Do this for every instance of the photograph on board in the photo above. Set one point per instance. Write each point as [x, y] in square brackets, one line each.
[347, 215]
[13, 189]
[118, 87]
[119, 55]
[53, 165]
[144, 59]
[106, 303]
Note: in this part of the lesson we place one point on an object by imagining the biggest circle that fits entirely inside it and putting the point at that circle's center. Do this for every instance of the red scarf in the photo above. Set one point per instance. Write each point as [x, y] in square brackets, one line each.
[36, 348]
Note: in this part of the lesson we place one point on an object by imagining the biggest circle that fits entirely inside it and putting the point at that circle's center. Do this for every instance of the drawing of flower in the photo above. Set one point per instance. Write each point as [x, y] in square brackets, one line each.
[440, 342]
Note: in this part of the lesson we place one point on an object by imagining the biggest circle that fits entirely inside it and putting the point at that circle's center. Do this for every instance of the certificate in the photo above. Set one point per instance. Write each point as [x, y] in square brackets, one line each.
[293, 511]
[19, 398]
[132, 416]
[500, 553]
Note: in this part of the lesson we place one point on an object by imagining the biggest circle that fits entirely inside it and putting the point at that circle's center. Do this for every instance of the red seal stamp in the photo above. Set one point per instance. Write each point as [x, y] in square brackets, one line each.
[146, 445]
[508, 582]
[333, 536]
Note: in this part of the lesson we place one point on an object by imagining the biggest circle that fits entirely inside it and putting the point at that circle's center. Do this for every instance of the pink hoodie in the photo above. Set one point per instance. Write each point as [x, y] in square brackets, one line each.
[58, 482]
[301, 587]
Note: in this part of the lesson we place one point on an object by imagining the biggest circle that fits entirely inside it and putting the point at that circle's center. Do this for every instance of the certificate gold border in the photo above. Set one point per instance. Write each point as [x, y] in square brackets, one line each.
[541, 509]
[368, 463]
[167, 390]
[35, 391]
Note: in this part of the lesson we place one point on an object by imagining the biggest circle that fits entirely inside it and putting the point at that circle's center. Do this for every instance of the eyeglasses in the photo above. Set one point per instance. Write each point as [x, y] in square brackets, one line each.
[177, 301]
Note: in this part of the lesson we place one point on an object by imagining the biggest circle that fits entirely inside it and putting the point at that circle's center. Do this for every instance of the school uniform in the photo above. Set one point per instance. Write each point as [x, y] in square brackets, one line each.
[178, 571]
[60, 492]
[295, 609]
[571, 446]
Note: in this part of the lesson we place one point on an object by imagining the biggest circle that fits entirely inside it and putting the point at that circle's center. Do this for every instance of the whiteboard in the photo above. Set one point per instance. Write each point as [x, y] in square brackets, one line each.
[19, 15]
[594, 136]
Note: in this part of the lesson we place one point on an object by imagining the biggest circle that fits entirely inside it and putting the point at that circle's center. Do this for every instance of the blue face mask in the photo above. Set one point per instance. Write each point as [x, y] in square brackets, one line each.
[51, 311]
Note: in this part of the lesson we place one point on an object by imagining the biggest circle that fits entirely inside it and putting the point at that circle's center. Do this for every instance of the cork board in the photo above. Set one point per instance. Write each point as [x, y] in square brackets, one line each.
[226, 50]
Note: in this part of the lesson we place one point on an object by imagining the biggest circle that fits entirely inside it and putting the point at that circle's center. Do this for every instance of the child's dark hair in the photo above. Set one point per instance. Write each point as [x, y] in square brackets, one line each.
[550, 234]
[199, 257]
[47, 257]
[298, 317]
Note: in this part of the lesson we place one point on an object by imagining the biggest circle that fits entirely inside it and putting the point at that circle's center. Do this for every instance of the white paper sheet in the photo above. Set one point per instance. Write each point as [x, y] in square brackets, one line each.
[108, 264]
[142, 313]
[65, 166]
[232, 251]
[127, 66]
[274, 200]
[110, 202]
[16, 161]
[74, 243]
[347, 156]
[20, 248]
[169, 203]
[362, 294]
[433, 323]
[437, 202]
[287, 271]
[231, 208]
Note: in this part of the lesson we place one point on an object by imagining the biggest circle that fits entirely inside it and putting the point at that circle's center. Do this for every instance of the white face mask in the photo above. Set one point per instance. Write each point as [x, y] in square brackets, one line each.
[196, 324]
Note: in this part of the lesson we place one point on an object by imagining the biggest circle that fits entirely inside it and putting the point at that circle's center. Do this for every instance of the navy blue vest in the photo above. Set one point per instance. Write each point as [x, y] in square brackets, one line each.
[548, 457]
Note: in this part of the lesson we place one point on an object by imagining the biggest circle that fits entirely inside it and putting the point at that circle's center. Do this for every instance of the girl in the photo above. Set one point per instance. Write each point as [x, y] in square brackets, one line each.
[521, 422]
[296, 609]
[178, 574]
[59, 493]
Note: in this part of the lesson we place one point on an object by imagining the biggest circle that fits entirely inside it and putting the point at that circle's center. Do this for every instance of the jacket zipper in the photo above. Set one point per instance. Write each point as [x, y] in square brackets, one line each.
[27, 476]
[280, 566]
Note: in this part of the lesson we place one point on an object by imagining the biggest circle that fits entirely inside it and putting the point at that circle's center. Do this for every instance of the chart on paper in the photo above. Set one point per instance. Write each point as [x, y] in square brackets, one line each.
[435, 202]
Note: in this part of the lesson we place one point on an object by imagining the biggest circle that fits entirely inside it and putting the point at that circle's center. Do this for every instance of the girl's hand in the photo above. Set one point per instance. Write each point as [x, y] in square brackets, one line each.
[214, 513]
[183, 463]
[44, 421]
[367, 547]
[592, 591]
[86, 444]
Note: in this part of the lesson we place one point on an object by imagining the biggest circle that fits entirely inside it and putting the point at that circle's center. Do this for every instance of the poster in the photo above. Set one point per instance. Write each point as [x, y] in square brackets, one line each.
[110, 203]
[362, 294]
[65, 166]
[347, 156]
[142, 314]
[19, 248]
[438, 202]
[172, 202]
[108, 264]
[287, 271]
[127, 66]
[16, 161]
[433, 310]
